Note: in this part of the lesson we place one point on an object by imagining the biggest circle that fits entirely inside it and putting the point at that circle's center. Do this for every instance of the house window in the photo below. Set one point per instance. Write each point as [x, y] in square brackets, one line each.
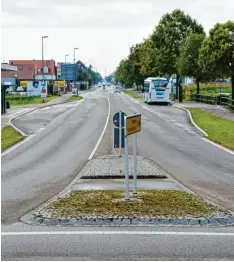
[45, 69]
[20, 67]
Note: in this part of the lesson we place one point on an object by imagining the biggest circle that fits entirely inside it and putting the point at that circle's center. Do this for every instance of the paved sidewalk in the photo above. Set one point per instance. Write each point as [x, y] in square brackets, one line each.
[213, 109]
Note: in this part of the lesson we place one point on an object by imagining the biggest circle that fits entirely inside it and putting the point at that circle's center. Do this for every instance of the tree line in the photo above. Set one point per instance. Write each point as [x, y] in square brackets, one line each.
[179, 45]
[86, 73]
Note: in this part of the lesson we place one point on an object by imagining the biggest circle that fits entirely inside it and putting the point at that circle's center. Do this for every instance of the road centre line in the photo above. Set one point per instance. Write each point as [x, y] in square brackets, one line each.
[103, 131]
[116, 233]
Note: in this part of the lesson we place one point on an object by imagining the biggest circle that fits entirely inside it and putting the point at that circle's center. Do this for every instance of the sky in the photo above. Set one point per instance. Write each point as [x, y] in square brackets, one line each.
[103, 30]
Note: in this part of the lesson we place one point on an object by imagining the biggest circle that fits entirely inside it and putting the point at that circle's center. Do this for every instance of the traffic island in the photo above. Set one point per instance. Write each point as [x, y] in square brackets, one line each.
[148, 207]
[74, 98]
[9, 137]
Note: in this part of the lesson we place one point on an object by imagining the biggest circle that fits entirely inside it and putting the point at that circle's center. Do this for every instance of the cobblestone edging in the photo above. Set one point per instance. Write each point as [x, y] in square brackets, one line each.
[111, 166]
[126, 221]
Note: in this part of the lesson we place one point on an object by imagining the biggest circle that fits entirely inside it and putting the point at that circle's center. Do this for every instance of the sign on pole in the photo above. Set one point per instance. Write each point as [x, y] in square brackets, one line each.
[132, 125]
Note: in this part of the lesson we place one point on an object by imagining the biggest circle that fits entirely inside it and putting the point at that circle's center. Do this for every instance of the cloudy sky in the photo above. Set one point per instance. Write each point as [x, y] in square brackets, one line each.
[102, 29]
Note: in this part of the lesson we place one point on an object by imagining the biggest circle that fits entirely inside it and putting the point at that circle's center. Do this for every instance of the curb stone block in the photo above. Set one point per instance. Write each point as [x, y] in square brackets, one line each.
[64, 221]
[156, 221]
[134, 221]
[193, 222]
[223, 220]
[126, 221]
[117, 222]
[54, 221]
[175, 221]
[165, 221]
[203, 221]
[213, 221]
[184, 221]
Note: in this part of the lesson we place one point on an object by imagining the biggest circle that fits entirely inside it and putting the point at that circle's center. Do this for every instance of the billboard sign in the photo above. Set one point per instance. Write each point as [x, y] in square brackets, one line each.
[34, 87]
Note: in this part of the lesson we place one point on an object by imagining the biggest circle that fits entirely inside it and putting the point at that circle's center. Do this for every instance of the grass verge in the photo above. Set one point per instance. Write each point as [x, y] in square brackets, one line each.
[219, 130]
[24, 100]
[74, 98]
[169, 203]
[132, 94]
[9, 137]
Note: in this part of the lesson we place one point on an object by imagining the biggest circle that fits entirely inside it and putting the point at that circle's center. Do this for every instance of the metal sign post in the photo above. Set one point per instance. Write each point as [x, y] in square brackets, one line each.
[132, 125]
[127, 197]
[135, 163]
[120, 132]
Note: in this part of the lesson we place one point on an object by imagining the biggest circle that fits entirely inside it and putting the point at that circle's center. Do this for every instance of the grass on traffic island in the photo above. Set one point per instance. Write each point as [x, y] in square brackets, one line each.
[132, 94]
[9, 137]
[152, 203]
[25, 100]
[74, 98]
[219, 130]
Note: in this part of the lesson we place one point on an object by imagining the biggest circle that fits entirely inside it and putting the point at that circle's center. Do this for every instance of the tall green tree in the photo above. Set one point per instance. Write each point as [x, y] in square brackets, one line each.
[217, 52]
[168, 37]
[188, 61]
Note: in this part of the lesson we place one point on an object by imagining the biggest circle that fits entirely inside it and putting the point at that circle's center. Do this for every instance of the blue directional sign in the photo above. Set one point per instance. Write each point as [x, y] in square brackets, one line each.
[116, 119]
[116, 138]
[69, 72]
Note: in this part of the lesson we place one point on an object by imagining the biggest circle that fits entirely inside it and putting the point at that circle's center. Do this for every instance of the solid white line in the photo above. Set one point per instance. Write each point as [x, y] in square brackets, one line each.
[103, 132]
[219, 146]
[116, 233]
[17, 113]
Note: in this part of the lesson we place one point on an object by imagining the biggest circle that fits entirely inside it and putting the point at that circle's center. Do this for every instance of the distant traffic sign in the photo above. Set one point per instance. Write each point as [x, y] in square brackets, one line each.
[133, 124]
[116, 119]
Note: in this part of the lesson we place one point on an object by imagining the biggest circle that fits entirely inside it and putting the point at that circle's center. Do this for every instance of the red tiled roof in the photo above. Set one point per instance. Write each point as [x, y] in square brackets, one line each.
[37, 65]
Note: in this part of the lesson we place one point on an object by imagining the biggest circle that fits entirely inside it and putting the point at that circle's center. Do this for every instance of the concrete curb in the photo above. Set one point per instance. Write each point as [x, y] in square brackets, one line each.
[128, 221]
[199, 130]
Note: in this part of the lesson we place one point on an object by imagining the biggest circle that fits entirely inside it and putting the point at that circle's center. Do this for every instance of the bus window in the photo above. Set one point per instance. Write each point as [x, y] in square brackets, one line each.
[146, 87]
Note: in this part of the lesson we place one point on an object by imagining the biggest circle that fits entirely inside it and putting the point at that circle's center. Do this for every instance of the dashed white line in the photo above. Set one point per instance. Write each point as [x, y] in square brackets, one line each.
[116, 233]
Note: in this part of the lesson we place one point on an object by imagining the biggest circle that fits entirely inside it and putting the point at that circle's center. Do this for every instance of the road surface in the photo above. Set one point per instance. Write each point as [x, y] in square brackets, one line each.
[63, 137]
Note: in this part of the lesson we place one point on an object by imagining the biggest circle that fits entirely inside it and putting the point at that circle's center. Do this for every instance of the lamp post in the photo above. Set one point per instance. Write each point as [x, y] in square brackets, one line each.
[43, 58]
[66, 68]
[76, 48]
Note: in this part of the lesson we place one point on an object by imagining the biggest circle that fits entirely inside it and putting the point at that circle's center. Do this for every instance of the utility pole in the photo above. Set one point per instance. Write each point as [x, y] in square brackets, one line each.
[43, 77]
[76, 48]
[66, 68]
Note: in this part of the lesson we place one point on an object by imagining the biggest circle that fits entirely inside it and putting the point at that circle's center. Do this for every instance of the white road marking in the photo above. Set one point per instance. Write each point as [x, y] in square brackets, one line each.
[103, 132]
[27, 138]
[17, 113]
[116, 233]
[219, 146]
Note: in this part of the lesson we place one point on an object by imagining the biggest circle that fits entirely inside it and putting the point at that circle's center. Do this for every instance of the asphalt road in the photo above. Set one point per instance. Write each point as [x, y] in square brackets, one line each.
[136, 243]
[62, 139]
[171, 142]
[43, 166]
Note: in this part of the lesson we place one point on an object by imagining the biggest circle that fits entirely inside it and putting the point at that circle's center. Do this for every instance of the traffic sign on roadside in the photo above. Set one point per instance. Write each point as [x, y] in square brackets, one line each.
[116, 119]
[133, 124]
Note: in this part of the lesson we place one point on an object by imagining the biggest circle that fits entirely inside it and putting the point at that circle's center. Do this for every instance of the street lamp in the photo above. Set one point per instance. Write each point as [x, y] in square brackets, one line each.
[76, 48]
[43, 58]
[66, 68]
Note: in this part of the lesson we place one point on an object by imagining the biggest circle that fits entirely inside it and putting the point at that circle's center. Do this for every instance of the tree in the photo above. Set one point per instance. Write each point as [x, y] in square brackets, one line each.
[168, 37]
[188, 61]
[217, 52]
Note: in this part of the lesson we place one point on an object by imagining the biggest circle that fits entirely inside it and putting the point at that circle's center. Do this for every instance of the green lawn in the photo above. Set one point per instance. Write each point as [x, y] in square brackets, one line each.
[220, 130]
[172, 203]
[74, 98]
[132, 94]
[16, 100]
[9, 137]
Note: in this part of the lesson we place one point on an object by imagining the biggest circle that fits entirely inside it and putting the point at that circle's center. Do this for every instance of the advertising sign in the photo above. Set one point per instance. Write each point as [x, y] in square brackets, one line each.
[60, 84]
[34, 88]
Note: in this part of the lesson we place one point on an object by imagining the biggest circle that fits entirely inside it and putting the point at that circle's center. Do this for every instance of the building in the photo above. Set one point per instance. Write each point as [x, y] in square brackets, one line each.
[9, 74]
[32, 69]
[59, 70]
